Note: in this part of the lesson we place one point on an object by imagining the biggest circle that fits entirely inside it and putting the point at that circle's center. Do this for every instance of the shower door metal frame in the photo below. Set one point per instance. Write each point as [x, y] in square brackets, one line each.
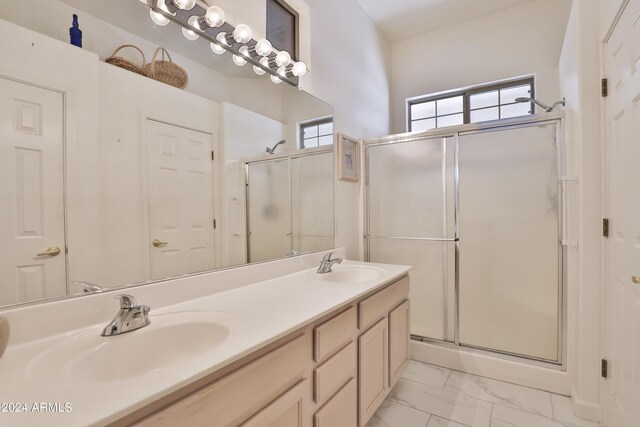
[289, 156]
[468, 129]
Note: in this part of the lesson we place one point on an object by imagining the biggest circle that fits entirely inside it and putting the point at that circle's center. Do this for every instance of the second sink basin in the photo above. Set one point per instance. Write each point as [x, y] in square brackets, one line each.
[351, 274]
[172, 340]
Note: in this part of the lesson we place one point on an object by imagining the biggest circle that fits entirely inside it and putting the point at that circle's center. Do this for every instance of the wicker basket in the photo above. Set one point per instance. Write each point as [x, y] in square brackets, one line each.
[119, 61]
[166, 71]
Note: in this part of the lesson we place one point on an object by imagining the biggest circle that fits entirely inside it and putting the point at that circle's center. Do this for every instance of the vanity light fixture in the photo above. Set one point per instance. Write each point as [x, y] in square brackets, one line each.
[210, 23]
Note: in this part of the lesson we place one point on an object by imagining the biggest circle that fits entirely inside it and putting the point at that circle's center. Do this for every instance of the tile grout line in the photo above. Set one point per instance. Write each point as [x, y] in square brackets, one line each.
[553, 411]
[447, 380]
[491, 417]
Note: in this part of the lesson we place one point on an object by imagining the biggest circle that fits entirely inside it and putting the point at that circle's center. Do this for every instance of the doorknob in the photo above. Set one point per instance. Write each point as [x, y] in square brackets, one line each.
[635, 279]
[157, 243]
[51, 251]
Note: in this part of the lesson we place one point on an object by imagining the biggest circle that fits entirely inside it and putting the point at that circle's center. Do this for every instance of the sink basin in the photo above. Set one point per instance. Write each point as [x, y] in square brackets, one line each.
[351, 274]
[171, 341]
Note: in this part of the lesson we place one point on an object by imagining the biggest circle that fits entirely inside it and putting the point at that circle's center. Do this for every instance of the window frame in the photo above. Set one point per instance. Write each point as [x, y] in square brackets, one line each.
[466, 96]
[296, 26]
[315, 122]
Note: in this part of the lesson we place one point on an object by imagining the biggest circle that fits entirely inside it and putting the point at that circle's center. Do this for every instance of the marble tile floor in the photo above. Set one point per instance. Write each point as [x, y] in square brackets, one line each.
[431, 396]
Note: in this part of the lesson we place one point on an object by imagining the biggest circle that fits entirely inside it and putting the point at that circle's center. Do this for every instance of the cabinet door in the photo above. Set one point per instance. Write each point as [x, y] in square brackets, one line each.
[373, 355]
[399, 345]
[286, 411]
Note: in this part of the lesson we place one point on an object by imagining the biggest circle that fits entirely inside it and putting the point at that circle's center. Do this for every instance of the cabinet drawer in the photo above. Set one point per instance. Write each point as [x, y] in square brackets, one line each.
[340, 410]
[377, 306]
[333, 334]
[286, 411]
[334, 373]
[240, 395]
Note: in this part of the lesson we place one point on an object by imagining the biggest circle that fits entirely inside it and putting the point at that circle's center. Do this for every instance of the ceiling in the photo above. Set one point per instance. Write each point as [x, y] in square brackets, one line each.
[402, 19]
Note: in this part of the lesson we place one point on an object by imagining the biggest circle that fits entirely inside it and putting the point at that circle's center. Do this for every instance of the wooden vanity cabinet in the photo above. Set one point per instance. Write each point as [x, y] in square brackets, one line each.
[383, 346]
[334, 372]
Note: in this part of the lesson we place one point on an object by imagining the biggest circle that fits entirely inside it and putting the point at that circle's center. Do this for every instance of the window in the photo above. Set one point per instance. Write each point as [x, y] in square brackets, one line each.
[282, 27]
[316, 133]
[472, 105]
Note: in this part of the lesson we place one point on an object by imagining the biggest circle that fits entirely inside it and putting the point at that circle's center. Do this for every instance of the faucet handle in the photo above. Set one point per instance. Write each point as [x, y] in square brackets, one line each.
[126, 301]
[327, 257]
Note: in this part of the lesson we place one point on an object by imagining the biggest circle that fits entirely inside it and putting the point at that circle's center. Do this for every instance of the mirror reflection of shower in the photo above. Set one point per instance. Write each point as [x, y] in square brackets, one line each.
[546, 108]
[273, 149]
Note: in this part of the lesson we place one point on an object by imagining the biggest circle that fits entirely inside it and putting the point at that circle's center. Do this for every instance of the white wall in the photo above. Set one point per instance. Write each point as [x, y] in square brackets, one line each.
[519, 41]
[579, 71]
[350, 71]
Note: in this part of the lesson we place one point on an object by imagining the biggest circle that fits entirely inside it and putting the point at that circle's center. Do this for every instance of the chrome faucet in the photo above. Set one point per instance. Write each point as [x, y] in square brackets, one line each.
[327, 263]
[130, 317]
[89, 288]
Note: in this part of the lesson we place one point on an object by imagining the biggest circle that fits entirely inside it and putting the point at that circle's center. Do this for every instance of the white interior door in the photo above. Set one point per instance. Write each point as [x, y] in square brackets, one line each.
[31, 194]
[622, 295]
[180, 200]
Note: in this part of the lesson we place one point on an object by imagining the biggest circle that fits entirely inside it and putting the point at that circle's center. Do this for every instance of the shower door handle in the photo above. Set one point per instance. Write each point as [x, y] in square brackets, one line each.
[635, 279]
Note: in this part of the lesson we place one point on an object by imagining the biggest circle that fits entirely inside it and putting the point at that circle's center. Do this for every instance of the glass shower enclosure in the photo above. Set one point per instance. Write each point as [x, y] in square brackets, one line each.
[477, 211]
[289, 205]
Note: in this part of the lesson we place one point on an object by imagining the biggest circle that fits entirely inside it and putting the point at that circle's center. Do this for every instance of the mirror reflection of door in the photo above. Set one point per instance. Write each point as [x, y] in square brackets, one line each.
[181, 228]
[32, 265]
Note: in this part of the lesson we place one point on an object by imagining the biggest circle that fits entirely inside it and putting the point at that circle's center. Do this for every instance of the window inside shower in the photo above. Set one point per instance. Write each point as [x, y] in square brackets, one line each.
[470, 105]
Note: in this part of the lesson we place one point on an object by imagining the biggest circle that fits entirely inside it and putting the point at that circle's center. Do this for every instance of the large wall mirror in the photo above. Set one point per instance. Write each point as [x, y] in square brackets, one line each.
[114, 179]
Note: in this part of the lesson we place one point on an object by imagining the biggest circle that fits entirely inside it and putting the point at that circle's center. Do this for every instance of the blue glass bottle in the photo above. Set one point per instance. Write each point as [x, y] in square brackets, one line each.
[75, 33]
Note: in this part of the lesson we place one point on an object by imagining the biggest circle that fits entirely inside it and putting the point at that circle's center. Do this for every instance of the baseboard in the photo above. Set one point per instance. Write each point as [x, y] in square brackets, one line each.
[584, 409]
[551, 380]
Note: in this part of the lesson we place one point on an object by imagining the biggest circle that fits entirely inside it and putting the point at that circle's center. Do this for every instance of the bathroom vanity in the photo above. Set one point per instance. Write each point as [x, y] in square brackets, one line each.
[297, 349]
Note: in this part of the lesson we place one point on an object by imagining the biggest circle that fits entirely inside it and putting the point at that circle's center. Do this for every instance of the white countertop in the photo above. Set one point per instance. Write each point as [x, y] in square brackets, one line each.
[268, 311]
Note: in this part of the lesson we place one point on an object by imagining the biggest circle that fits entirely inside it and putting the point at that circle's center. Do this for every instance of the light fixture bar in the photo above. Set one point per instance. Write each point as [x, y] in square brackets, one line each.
[181, 18]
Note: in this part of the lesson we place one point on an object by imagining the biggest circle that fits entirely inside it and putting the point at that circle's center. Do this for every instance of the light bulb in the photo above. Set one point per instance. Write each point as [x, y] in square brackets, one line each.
[239, 60]
[259, 71]
[193, 21]
[282, 71]
[217, 49]
[299, 69]
[263, 47]
[222, 38]
[158, 18]
[242, 33]
[214, 17]
[275, 79]
[189, 34]
[244, 51]
[283, 59]
[184, 4]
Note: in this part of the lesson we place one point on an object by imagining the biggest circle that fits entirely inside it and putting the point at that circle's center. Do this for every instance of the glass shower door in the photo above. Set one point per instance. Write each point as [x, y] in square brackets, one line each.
[312, 202]
[268, 210]
[410, 194]
[510, 255]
